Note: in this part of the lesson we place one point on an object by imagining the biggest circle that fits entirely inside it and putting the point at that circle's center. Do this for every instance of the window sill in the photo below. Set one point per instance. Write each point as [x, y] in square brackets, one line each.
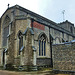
[42, 57]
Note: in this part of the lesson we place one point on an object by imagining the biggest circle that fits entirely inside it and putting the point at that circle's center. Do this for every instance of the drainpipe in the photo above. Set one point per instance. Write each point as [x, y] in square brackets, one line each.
[50, 48]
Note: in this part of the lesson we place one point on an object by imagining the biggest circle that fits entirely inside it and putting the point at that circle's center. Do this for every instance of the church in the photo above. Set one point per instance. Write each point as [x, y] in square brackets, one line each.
[26, 38]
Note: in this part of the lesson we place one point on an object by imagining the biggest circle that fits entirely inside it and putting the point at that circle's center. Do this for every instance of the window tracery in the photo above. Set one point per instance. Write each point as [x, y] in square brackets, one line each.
[42, 45]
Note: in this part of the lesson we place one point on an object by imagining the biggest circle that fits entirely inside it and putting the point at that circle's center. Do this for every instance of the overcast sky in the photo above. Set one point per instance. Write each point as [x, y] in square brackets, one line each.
[51, 9]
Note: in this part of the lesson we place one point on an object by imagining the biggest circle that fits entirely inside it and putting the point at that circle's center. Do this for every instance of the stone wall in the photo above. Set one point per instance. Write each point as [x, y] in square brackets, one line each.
[11, 49]
[43, 62]
[0, 56]
[64, 56]
[28, 52]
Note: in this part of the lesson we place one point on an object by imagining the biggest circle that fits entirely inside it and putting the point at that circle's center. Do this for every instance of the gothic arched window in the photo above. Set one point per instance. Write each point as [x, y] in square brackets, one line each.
[42, 45]
[5, 30]
[20, 41]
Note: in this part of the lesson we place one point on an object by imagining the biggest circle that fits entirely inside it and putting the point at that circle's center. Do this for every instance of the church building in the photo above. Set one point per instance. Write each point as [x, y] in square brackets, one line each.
[26, 38]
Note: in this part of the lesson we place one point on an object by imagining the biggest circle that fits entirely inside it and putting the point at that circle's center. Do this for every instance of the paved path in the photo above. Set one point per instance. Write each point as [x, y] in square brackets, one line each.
[4, 72]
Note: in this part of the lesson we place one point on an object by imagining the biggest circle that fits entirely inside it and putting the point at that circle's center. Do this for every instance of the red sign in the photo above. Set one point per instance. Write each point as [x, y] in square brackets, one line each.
[38, 25]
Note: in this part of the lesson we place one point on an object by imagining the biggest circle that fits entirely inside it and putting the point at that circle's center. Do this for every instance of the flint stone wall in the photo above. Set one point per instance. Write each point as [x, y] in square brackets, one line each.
[64, 56]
